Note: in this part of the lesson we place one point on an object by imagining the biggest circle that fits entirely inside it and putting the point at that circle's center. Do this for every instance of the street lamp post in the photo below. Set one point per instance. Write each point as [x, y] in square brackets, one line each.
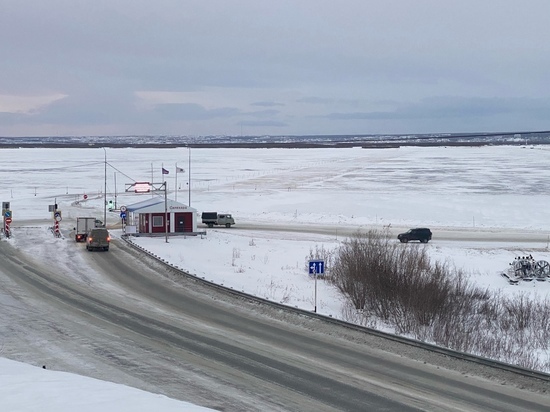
[105, 193]
[189, 182]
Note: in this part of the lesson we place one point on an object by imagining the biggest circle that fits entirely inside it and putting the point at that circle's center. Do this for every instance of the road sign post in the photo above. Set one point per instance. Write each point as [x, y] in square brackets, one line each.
[7, 215]
[316, 267]
[56, 219]
[123, 218]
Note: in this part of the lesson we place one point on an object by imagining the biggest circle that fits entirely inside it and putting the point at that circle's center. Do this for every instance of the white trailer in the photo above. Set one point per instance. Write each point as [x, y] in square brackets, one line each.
[83, 227]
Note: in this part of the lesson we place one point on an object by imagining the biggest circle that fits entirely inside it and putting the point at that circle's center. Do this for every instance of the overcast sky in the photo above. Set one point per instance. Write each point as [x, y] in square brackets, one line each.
[285, 67]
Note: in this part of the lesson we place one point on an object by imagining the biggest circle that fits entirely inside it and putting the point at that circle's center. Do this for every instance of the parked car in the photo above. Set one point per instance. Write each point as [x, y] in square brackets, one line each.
[421, 234]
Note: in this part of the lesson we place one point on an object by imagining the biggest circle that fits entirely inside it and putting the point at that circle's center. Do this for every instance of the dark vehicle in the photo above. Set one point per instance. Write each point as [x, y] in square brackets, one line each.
[422, 234]
[98, 239]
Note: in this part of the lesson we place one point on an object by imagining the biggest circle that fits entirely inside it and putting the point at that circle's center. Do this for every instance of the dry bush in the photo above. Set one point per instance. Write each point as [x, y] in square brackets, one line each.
[388, 283]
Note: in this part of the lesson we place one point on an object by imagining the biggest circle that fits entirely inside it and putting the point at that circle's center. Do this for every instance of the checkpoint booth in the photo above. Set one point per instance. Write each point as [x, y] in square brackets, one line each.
[155, 215]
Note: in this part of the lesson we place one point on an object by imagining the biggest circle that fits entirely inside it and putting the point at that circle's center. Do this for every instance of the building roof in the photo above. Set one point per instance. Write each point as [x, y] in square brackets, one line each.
[156, 205]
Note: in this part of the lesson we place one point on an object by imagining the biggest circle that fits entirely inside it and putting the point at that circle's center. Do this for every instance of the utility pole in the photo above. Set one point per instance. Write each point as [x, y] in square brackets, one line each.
[189, 167]
[115, 192]
[105, 193]
[166, 225]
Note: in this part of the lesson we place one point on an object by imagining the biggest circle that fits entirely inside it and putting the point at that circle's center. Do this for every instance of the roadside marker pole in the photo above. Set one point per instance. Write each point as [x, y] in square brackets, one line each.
[316, 267]
[56, 219]
[315, 310]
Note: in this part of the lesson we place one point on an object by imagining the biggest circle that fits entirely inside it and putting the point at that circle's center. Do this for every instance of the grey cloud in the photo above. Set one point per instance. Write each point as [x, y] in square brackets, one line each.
[328, 101]
[190, 111]
[10, 119]
[90, 108]
[267, 104]
[316, 100]
[263, 113]
[360, 64]
[451, 107]
[263, 123]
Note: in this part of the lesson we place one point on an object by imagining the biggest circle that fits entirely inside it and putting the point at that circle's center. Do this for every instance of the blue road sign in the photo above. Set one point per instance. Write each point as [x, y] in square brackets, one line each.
[316, 267]
[7, 213]
[123, 215]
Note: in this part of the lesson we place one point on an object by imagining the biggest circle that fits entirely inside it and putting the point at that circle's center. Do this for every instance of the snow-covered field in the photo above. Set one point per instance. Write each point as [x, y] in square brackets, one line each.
[478, 189]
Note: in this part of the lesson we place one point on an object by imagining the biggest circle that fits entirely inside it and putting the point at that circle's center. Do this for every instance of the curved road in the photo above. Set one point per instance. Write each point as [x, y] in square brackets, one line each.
[121, 317]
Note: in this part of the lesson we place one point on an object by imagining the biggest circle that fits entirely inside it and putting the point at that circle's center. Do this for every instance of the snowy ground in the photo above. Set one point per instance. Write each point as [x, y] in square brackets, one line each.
[478, 189]
[269, 266]
[26, 388]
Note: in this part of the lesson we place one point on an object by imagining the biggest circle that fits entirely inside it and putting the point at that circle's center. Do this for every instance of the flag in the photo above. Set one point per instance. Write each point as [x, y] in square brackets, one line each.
[164, 171]
[180, 170]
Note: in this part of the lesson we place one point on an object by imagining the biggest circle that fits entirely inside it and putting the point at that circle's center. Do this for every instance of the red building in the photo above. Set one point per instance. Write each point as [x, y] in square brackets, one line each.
[154, 216]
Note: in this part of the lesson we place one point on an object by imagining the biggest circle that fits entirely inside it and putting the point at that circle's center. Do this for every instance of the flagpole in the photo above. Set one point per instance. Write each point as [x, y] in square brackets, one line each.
[152, 177]
[176, 197]
[189, 170]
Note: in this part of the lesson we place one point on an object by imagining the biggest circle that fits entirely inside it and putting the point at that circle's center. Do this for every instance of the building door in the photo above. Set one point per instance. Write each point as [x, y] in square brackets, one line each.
[184, 222]
[144, 223]
[180, 222]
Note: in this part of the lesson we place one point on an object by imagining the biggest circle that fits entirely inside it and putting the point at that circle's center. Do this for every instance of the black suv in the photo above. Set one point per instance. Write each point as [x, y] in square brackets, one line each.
[422, 234]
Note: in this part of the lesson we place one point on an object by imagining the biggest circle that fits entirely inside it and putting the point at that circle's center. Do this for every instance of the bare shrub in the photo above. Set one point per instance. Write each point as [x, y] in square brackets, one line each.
[236, 255]
[287, 294]
[518, 311]
[384, 282]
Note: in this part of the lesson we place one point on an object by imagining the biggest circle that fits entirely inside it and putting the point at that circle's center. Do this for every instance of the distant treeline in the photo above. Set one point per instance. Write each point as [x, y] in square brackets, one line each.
[313, 141]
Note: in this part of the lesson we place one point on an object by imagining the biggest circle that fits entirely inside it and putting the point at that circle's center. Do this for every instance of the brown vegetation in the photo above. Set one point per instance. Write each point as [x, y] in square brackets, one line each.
[395, 286]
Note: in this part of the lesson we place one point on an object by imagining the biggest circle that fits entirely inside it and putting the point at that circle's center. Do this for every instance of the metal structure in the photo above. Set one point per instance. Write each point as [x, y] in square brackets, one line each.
[105, 191]
[527, 269]
[146, 187]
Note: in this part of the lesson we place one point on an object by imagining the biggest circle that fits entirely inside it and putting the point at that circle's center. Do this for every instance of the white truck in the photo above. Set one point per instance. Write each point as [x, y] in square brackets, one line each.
[214, 218]
[83, 226]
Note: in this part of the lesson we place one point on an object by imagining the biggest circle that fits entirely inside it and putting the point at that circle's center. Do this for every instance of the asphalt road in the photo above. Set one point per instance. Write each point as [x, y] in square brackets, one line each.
[121, 317]
[458, 234]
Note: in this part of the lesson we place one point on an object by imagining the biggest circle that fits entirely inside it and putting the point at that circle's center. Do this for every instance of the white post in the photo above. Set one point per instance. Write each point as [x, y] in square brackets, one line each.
[166, 228]
[189, 171]
[115, 192]
[176, 195]
[315, 274]
[105, 192]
